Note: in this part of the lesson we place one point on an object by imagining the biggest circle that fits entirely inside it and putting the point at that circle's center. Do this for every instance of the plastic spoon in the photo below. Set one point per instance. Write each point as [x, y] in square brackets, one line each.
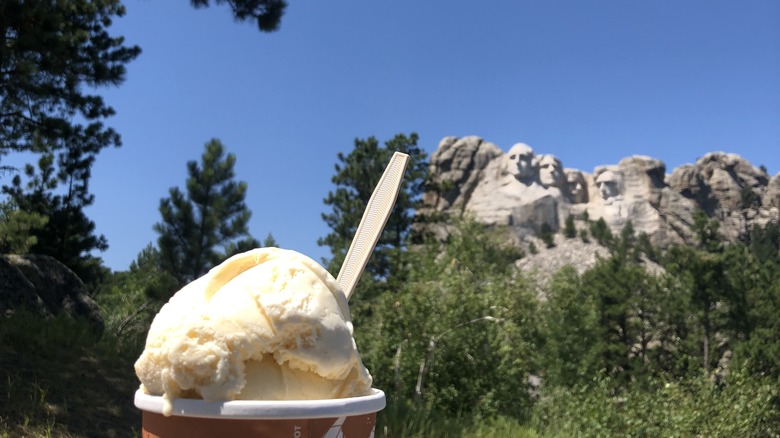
[372, 223]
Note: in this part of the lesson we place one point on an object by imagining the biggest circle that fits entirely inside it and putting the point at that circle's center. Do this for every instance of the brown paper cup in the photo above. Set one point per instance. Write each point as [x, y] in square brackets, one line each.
[353, 417]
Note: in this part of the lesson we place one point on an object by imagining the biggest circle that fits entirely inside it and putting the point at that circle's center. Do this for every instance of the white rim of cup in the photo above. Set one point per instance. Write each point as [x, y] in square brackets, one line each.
[266, 409]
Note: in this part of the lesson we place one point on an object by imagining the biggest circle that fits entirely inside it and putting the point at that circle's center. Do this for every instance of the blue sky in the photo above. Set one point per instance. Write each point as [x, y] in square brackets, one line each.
[588, 81]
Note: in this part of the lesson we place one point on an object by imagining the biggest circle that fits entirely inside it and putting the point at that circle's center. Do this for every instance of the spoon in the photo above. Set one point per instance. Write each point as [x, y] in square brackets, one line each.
[378, 210]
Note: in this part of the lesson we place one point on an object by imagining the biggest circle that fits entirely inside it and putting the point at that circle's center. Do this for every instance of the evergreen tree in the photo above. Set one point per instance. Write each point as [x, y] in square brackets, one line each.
[69, 236]
[612, 283]
[356, 177]
[201, 228]
[706, 231]
[759, 353]
[270, 241]
[646, 247]
[573, 349]
[547, 235]
[600, 231]
[17, 228]
[51, 53]
[148, 269]
[569, 229]
[625, 246]
[765, 242]
[266, 13]
[753, 305]
[703, 274]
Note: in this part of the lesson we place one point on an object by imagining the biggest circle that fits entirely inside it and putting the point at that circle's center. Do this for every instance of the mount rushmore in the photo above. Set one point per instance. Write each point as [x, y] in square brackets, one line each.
[524, 190]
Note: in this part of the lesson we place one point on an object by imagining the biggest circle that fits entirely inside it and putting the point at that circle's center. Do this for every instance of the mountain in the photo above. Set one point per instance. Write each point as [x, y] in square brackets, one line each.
[524, 191]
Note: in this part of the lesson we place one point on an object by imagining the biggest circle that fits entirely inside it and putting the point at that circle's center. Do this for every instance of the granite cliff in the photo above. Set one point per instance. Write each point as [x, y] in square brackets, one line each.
[524, 190]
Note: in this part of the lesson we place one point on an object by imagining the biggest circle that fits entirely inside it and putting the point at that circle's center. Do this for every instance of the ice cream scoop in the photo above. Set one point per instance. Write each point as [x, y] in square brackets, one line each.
[267, 324]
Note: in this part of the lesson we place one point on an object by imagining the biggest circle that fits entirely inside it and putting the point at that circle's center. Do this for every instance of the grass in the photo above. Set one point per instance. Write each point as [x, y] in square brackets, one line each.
[400, 420]
[61, 385]
[58, 378]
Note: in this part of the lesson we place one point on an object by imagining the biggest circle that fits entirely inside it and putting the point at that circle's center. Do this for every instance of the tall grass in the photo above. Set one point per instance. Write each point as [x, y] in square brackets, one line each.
[743, 406]
[60, 377]
[405, 420]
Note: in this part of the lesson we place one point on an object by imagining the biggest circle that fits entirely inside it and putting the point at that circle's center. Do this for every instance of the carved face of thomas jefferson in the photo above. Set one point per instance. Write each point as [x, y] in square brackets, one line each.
[550, 171]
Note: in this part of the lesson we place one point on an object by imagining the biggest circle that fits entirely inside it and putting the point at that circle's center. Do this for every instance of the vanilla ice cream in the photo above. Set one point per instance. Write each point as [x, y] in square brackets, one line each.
[267, 324]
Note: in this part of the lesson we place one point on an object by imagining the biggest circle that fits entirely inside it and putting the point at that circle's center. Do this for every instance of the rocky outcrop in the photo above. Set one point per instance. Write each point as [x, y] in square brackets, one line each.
[573, 252]
[728, 188]
[43, 285]
[771, 199]
[524, 191]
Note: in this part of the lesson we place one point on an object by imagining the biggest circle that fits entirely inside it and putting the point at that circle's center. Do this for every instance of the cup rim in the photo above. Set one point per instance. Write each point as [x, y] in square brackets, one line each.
[266, 409]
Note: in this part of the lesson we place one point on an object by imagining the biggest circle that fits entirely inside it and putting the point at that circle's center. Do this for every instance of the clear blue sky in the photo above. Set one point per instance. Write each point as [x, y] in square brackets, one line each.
[588, 81]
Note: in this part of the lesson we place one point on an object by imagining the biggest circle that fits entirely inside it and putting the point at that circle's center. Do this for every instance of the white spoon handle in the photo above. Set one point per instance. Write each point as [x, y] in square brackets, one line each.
[373, 222]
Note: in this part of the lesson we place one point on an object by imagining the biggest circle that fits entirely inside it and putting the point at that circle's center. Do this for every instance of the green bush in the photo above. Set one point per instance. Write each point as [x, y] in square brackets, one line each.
[458, 335]
[694, 407]
[569, 229]
[546, 235]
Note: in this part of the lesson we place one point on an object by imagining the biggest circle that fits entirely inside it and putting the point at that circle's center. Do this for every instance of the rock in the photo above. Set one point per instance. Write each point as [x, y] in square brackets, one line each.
[457, 166]
[567, 252]
[16, 291]
[634, 190]
[574, 252]
[728, 188]
[523, 191]
[44, 285]
[771, 199]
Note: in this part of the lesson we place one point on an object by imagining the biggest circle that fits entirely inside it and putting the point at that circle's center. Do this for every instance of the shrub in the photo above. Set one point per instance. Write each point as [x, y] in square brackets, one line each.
[743, 407]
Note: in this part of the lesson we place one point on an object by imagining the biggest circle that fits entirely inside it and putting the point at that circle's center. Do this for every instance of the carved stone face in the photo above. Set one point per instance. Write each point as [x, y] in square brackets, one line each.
[521, 158]
[575, 183]
[608, 184]
[550, 171]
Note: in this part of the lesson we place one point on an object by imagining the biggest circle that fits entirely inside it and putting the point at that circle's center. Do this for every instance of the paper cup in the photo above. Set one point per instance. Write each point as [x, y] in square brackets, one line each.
[353, 417]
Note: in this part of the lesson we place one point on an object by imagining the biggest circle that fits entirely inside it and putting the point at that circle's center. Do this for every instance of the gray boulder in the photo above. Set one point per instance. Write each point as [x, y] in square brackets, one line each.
[43, 285]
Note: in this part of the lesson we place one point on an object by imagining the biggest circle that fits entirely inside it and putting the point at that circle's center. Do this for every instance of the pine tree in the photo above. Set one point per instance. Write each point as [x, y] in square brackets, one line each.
[702, 273]
[52, 52]
[270, 241]
[201, 228]
[547, 235]
[356, 178]
[266, 13]
[600, 231]
[765, 242]
[573, 349]
[69, 235]
[569, 229]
